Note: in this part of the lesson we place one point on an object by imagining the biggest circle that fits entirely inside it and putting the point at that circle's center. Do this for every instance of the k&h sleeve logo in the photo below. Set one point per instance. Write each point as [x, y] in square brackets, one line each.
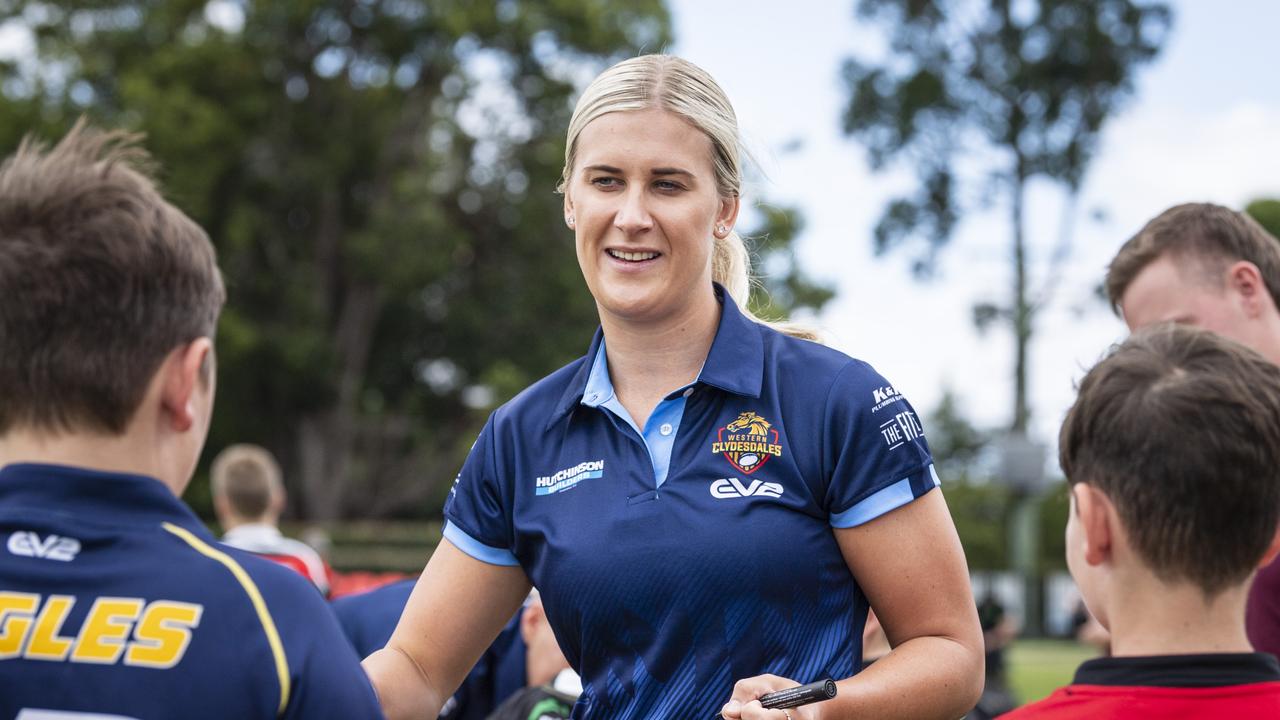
[748, 442]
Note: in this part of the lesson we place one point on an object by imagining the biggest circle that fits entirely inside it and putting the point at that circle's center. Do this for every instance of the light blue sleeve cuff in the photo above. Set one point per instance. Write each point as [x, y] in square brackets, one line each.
[477, 549]
[881, 502]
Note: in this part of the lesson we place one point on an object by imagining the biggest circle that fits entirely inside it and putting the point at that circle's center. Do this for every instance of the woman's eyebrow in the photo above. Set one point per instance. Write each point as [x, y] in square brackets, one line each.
[601, 167]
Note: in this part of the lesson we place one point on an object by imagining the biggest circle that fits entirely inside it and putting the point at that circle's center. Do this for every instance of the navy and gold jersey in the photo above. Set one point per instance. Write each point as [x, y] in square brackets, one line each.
[115, 601]
[675, 558]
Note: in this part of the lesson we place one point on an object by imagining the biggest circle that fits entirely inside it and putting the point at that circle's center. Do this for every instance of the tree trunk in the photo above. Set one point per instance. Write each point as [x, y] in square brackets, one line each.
[1022, 311]
[326, 438]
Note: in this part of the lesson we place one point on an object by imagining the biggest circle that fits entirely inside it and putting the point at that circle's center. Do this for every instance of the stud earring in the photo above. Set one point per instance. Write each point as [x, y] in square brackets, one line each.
[569, 221]
[722, 230]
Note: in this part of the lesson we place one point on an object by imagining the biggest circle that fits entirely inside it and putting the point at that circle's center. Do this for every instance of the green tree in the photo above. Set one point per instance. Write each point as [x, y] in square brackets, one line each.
[982, 99]
[1267, 213]
[956, 443]
[377, 176]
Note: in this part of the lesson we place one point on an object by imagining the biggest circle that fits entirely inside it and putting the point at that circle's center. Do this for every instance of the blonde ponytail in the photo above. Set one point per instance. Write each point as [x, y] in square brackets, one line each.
[731, 267]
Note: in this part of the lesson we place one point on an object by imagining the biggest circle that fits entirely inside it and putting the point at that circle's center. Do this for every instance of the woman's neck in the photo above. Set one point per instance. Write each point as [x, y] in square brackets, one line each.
[649, 359]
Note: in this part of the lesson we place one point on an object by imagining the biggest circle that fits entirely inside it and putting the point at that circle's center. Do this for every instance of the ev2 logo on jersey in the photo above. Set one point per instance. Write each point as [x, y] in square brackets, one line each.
[726, 488]
[54, 547]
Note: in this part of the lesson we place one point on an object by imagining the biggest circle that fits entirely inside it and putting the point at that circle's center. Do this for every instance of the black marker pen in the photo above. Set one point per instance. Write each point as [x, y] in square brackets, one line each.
[799, 695]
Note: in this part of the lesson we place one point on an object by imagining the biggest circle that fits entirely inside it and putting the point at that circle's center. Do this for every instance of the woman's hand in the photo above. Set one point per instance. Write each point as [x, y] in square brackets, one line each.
[745, 703]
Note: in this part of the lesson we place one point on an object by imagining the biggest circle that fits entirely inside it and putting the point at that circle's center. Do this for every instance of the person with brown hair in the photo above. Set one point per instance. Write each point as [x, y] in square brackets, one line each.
[1172, 458]
[1212, 267]
[248, 497]
[114, 598]
[708, 503]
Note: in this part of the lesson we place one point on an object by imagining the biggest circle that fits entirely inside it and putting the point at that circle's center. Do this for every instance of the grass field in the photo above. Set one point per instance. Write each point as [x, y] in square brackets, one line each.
[1038, 667]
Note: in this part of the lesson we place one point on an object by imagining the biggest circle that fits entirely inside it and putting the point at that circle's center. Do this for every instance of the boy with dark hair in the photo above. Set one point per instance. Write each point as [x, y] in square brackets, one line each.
[1172, 456]
[115, 601]
[1212, 267]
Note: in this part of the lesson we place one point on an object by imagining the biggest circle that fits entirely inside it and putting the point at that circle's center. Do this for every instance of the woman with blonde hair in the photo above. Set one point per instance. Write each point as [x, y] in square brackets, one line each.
[709, 504]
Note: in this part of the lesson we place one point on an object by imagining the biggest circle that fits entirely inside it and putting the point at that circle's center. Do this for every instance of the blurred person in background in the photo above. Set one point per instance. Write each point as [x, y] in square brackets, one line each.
[1087, 631]
[1172, 458]
[553, 688]
[368, 619]
[1212, 267]
[708, 503]
[248, 498]
[874, 643]
[115, 600]
[998, 630]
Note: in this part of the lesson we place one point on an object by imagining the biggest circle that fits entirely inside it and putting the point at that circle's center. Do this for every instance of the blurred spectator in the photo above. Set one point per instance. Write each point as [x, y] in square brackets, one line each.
[369, 619]
[248, 497]
[1088, 631]
[552, 687]
[998, 630]
[875, 644]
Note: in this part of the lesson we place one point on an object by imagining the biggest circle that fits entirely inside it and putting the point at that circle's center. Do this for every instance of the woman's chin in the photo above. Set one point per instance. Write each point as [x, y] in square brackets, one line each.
[636, 307]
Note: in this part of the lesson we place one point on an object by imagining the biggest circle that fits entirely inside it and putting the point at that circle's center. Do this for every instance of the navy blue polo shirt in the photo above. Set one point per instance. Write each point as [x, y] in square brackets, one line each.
[677, 558]
[117, 602]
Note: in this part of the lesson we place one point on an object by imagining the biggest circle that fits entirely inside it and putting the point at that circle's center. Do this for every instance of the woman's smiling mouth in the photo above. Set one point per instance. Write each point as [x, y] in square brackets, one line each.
[634, 257]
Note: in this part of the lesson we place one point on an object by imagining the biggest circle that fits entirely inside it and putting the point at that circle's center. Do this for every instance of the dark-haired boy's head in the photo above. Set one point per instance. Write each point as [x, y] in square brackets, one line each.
[1180, 430]
[101, 280]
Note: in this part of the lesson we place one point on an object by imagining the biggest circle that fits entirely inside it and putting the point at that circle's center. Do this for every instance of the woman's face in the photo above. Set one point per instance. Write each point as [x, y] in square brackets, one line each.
[644, 206]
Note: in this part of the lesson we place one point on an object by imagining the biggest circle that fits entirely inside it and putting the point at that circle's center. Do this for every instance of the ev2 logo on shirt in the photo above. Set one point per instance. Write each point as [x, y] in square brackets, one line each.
[726, 488]
[55, 547]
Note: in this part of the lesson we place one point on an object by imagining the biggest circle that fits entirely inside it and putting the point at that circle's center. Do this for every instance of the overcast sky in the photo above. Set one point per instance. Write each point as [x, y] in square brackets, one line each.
[1203, 126]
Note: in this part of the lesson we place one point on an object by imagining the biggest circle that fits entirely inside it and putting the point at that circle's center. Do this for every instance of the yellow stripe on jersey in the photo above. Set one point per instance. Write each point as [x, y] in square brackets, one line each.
[251, 589]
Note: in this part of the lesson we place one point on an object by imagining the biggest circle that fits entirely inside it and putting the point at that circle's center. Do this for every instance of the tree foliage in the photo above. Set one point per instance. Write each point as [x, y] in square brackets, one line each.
[1267, 212]
[378, 178]
[783, 285]
[980, 98]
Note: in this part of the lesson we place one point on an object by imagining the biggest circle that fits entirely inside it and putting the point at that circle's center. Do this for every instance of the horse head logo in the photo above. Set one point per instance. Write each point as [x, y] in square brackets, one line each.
[752, 423]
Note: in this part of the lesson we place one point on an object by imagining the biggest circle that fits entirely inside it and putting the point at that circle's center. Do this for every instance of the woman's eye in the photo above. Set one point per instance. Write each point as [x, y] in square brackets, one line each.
[606, 182]
[666, 185]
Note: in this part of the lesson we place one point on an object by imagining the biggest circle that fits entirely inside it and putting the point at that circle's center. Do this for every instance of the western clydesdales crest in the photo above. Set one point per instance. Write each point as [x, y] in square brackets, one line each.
[748, 442]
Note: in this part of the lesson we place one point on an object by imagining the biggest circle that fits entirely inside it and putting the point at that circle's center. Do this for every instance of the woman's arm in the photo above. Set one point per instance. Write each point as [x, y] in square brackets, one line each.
[456, 610]
[911, 567]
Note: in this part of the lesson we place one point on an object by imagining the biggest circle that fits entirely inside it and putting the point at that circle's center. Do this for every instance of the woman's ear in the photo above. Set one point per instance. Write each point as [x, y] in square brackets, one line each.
[728, 213]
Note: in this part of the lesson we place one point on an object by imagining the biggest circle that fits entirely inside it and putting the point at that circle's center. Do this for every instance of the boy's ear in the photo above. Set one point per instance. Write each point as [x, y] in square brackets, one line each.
[1272, 551]
[182, 371]
[1097, 522]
